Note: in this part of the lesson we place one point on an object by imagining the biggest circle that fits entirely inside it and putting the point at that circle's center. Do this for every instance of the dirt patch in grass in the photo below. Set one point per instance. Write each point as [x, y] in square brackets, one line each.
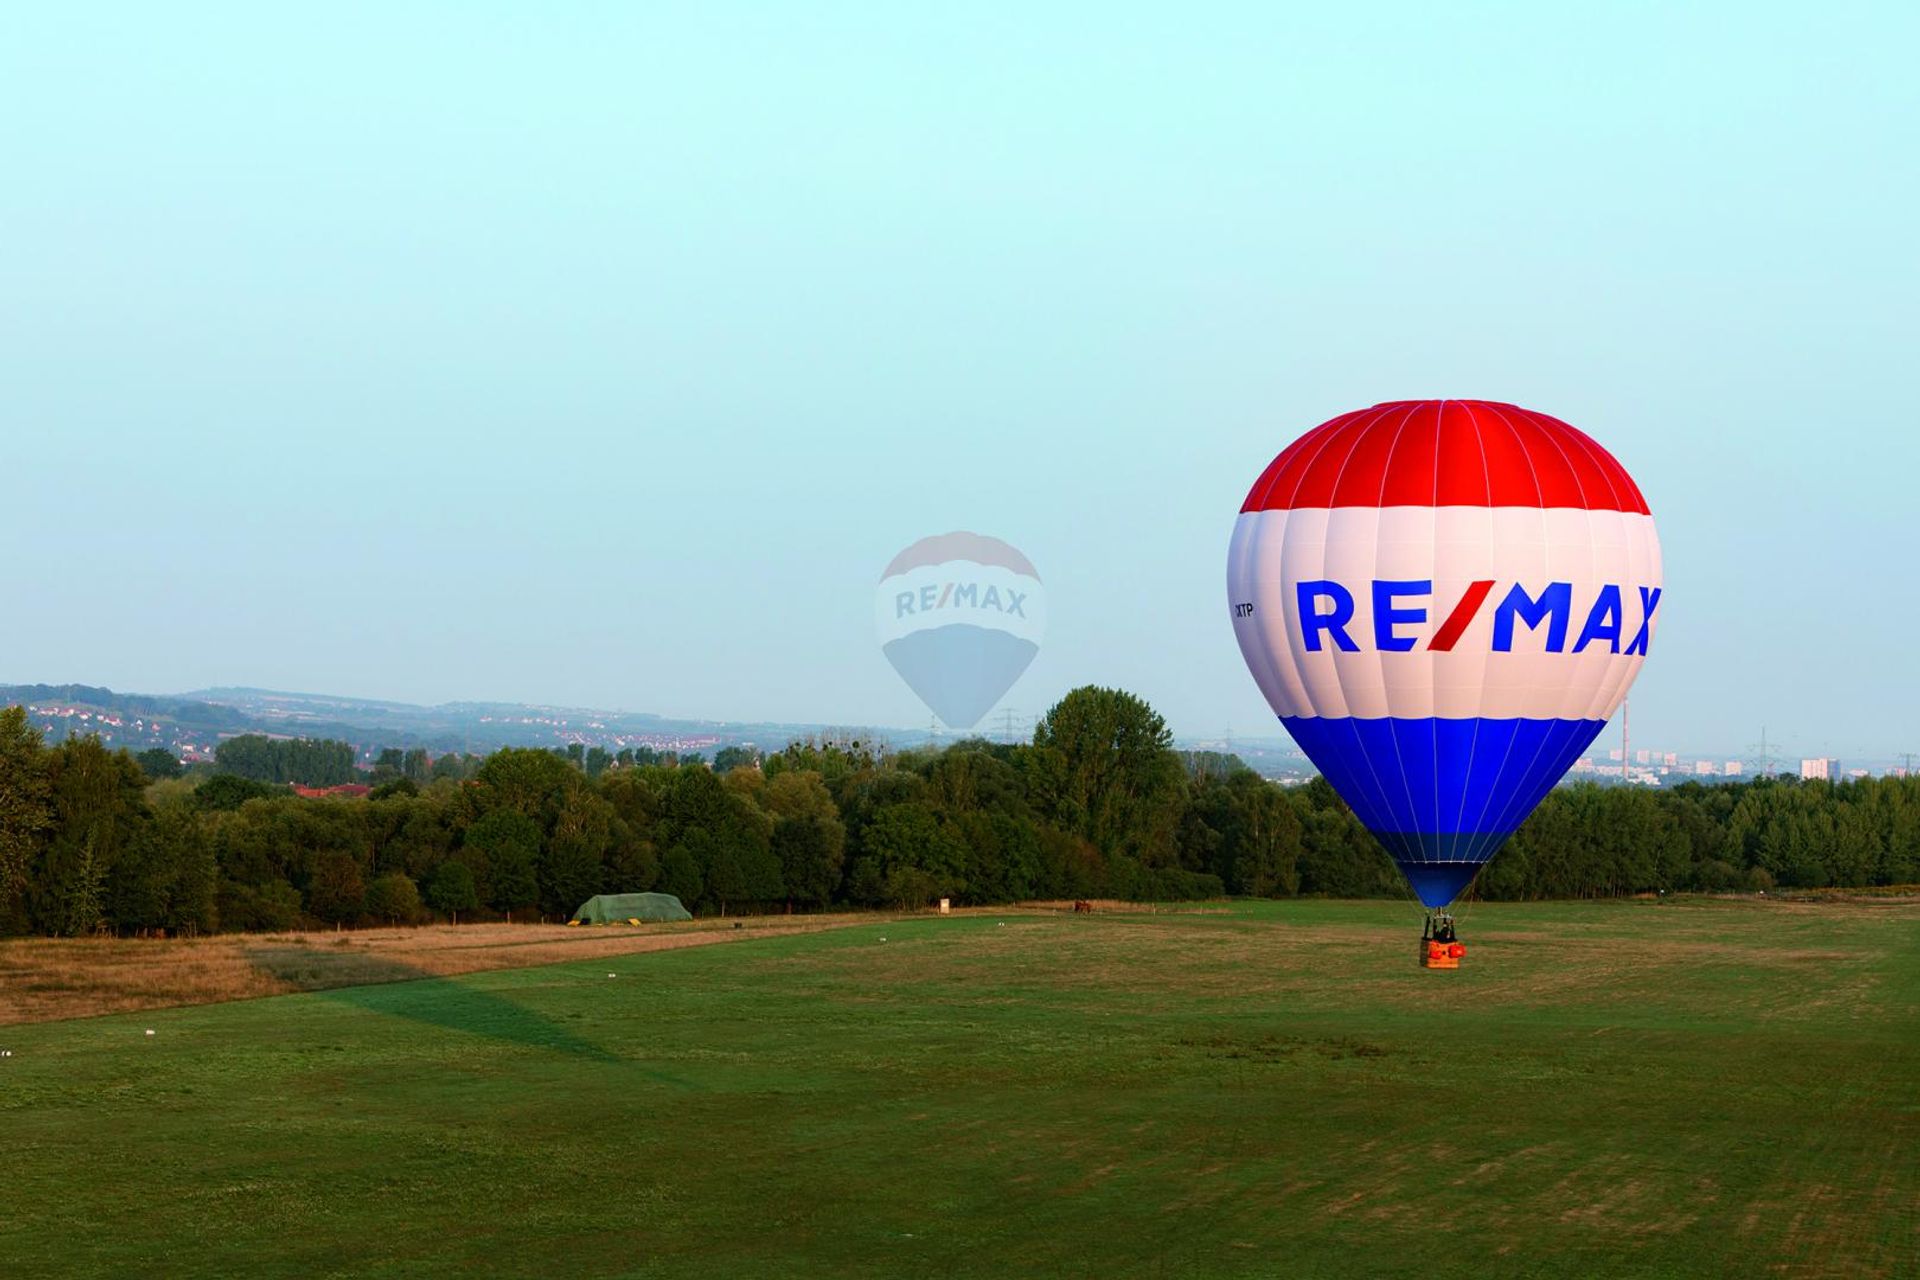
[46, 979]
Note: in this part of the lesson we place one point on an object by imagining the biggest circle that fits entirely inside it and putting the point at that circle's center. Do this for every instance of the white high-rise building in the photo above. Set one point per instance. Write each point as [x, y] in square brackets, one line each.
[1703, 769]
[1818, 767]
[1735, 768]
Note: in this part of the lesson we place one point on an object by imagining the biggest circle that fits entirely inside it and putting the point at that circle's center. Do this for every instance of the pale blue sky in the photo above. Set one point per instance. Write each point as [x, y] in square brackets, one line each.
[605, 353]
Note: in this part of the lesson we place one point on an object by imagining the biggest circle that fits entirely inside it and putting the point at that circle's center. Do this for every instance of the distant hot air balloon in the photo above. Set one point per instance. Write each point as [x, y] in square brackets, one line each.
[1444, 601]
[960, 616]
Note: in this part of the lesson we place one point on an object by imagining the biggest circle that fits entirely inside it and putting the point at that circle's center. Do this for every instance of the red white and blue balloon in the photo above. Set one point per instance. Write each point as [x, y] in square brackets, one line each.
[960, 616]
[1444, 601]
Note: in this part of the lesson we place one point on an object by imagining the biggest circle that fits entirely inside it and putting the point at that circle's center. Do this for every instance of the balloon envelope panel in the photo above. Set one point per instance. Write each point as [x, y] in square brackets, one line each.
[1444, 602]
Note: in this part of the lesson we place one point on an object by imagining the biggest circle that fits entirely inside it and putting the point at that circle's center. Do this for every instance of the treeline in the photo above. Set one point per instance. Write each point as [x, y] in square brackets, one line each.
[1098, 804]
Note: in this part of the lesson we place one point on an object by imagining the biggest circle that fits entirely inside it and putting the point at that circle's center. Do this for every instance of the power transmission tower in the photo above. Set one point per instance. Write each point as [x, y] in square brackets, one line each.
[1626, 756]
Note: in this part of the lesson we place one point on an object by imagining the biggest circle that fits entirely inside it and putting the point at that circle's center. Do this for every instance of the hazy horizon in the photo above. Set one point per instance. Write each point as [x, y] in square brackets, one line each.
[604, 359]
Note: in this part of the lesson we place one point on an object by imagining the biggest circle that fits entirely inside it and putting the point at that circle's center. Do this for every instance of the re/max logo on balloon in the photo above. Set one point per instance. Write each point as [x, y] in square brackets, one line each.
[960, 595]
[1400, 606]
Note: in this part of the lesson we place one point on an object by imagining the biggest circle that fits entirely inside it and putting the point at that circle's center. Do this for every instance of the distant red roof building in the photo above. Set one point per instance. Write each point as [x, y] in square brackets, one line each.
[352, 790]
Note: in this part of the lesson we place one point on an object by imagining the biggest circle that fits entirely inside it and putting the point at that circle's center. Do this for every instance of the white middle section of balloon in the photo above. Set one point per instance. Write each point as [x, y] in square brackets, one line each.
[1272, 552]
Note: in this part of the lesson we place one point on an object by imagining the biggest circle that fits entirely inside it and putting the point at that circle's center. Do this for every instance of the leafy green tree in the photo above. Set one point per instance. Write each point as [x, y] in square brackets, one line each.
[270, 907]
[911, 857]
[159, 764]
[400, 786]
[393, 897]
[509, 843]
[727, 759]
[1103, 768]
[228, 791]
[336, 891]
[416, 766]
[598, 761]
[26, 808]
[391, 763]
[526, 781]
[682, 867]
[449, 767]
[451, 890]
[570, 872]
[809, 853]
[99, 811]
[310, 762]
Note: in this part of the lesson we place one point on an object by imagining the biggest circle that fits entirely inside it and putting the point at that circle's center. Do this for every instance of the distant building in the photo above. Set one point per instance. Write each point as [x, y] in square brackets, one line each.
[1642, 756]
[1673, 759]
[1613, 754]
[1703, 769]
[1734, 769]
[1818, 767]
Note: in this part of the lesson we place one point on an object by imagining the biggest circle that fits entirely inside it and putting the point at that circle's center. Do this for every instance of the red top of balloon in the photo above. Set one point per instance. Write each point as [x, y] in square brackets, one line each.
[1445, 453]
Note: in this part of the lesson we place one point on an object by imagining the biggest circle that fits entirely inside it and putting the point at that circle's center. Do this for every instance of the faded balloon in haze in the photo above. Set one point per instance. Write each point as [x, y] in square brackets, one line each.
[960, 616]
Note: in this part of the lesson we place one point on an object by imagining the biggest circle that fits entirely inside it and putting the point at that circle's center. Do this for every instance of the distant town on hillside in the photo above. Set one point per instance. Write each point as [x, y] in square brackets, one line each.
[191, 725]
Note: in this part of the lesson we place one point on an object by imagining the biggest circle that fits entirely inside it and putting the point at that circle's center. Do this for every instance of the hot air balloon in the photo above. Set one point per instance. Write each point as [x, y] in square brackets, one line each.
[960, 616]
[1444, 601]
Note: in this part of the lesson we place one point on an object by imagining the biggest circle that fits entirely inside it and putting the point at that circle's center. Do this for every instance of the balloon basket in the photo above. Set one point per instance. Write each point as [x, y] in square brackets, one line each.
[1440, 947]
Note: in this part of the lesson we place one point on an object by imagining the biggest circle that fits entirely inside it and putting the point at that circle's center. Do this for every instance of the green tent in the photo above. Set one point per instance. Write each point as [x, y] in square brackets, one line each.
[618, 908]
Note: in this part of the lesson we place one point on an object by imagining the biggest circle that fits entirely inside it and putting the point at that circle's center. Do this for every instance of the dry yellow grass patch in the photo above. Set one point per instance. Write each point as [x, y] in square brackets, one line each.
[44, 979]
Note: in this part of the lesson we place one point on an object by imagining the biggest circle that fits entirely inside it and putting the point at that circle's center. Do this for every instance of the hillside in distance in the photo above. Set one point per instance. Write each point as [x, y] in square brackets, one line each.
[193, 724]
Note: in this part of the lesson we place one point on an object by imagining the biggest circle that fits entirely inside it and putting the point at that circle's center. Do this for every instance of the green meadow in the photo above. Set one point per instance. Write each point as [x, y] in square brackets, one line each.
[1690, 1087]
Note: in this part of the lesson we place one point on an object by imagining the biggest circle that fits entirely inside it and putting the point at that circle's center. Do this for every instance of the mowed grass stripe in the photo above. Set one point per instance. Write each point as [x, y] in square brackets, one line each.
[1687, 1088]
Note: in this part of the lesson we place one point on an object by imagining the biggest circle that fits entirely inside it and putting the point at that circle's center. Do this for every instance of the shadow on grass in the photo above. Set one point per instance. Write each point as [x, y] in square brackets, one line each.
[377, 984]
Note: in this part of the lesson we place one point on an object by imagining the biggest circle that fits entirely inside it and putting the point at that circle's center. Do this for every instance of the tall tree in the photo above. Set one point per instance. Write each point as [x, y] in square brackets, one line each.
[99, 808]
[1103, 768]
[26, 810]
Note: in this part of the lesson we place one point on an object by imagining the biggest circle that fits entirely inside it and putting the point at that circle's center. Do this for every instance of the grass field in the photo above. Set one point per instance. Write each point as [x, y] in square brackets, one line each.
[1694, 1087]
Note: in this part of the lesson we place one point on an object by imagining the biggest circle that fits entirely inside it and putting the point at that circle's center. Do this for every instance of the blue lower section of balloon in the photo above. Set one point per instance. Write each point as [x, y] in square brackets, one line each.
[1438, 883]
[960, 670]
[1441, 795]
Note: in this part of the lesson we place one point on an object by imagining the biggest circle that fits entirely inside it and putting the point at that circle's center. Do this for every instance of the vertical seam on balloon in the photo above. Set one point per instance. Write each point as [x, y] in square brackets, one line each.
[1623, 671]
[1296, 646]
[1325, 433]
[1432, 658]
[1366, 758]
[1413, 815]
[1539, 494]
[1640, 534]
[1480, 822]
[1507, 820]
[1333, 491]
[1334, 429]
[1541, 511]
[1486, 656]
[1269, 479]
[1406, 784]
[1572, 470]
[1595, 455]
[1386, 466]
[1286, 517]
